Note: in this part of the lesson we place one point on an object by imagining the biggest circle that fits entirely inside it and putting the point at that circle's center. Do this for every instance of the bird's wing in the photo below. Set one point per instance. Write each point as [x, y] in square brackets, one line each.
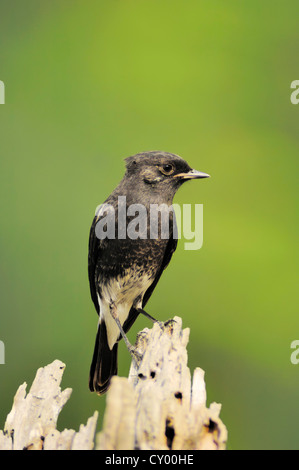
[93, 251]
[170, 249]
[93, 255]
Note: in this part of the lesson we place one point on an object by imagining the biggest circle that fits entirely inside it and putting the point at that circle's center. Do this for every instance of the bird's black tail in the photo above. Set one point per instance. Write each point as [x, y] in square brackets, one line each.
[104, 362]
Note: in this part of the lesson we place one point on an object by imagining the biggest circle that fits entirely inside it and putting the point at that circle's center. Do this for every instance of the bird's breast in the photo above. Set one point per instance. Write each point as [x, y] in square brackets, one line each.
[118, 257]
[120, 293]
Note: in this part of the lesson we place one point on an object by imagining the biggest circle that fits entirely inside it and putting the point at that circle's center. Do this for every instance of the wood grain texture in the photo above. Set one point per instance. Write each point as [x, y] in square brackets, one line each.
[167, 408]
[31, 424]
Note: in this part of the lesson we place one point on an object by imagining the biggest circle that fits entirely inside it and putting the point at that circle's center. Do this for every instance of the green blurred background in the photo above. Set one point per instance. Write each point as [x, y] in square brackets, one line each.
[89, 83]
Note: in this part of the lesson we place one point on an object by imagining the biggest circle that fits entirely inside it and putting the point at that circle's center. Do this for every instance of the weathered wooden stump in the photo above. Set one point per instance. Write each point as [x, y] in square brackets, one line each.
[158, 407]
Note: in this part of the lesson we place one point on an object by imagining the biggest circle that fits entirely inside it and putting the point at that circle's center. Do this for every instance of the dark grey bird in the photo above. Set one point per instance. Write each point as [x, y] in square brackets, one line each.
[126, 263]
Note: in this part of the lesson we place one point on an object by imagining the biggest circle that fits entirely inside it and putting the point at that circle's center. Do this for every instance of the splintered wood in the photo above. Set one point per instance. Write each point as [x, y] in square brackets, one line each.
[158, 407]
[31, 424]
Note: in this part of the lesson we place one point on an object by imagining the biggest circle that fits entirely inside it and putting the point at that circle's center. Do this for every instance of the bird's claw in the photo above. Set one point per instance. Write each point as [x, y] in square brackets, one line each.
[169, 322]
[162, 324]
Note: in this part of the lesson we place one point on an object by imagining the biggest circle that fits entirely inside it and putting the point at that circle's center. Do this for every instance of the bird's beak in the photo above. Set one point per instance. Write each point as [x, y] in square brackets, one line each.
[192, 174]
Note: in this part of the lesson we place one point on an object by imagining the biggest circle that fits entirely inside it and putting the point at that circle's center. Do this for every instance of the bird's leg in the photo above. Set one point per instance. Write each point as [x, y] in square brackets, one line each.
[160, 323]
[147, 315]
[132, 350]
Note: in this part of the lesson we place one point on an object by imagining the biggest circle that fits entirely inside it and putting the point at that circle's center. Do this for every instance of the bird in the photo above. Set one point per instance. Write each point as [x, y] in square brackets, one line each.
[124, 270]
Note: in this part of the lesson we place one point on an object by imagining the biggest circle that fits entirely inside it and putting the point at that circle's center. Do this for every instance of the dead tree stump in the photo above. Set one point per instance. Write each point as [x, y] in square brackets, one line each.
[158, 407]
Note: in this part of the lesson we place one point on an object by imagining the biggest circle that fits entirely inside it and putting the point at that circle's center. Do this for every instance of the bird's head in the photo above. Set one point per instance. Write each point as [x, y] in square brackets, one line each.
[160, 172]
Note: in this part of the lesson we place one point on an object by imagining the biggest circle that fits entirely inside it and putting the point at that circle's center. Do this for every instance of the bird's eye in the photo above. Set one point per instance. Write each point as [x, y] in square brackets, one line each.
[167, 169]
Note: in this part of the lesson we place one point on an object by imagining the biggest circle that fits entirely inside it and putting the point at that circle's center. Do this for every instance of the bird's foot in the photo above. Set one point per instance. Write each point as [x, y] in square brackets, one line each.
[136, 356]
[165, 324]
[169, 322]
